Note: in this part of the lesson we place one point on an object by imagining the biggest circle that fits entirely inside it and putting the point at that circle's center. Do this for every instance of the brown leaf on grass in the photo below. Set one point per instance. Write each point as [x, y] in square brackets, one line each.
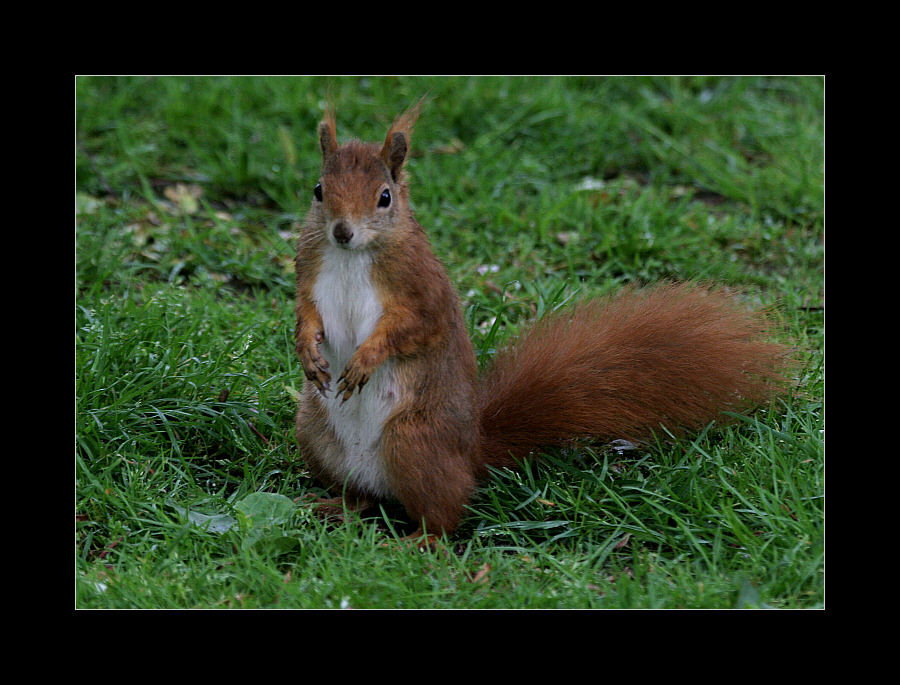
[103, 554]
[788, 511]
[184, 197]
[482, 575]
[624, 541]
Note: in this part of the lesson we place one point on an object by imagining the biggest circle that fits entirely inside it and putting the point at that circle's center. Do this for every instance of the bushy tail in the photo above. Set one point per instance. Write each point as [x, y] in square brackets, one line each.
[619, 367]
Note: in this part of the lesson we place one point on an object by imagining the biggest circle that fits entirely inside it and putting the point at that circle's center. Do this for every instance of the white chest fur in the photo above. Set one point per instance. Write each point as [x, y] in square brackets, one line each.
[350, 308]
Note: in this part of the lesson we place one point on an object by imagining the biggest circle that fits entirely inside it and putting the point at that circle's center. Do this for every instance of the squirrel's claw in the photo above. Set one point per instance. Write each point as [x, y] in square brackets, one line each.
[352, 378]
[315, 368]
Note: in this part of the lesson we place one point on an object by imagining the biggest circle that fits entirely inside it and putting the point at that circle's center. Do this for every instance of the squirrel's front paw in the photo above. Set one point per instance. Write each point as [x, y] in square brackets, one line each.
[315, 365]
[356, 374]
[352, 378]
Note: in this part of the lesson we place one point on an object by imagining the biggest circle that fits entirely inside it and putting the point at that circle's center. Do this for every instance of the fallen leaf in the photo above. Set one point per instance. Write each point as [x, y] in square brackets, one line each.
[184, 197]
[789, 512]
[112, 545]
[624, 541]
[482, 574]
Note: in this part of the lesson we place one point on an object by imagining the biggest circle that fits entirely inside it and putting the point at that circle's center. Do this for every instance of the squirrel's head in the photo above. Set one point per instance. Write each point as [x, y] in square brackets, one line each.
[361, 196]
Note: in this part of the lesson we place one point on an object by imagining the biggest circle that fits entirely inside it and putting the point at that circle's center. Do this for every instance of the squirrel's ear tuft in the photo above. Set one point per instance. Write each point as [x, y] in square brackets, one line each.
[394, 152]
[396, 143]
[328, 134]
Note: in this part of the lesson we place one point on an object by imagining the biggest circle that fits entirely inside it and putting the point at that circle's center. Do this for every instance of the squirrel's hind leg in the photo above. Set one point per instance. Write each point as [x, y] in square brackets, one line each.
[428, 466]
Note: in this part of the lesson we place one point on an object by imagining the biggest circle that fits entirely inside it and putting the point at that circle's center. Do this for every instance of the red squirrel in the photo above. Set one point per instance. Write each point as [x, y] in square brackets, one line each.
[394, 407]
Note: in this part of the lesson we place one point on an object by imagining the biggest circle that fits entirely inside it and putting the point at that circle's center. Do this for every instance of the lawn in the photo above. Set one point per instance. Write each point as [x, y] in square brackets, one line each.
[189, 488]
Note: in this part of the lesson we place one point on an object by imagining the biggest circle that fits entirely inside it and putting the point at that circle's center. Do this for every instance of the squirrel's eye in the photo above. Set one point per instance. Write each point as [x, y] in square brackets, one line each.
[317, 191]
[385, 199]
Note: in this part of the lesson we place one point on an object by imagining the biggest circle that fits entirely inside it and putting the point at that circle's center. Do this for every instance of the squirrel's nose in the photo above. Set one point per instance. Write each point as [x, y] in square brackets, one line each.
[342, 233]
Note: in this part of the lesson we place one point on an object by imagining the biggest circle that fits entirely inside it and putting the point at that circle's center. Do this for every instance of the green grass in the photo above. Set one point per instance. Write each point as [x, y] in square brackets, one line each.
[189, 487]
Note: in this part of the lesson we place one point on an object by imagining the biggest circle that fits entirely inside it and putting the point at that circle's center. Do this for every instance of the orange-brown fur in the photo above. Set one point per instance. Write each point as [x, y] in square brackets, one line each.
[619, 367]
